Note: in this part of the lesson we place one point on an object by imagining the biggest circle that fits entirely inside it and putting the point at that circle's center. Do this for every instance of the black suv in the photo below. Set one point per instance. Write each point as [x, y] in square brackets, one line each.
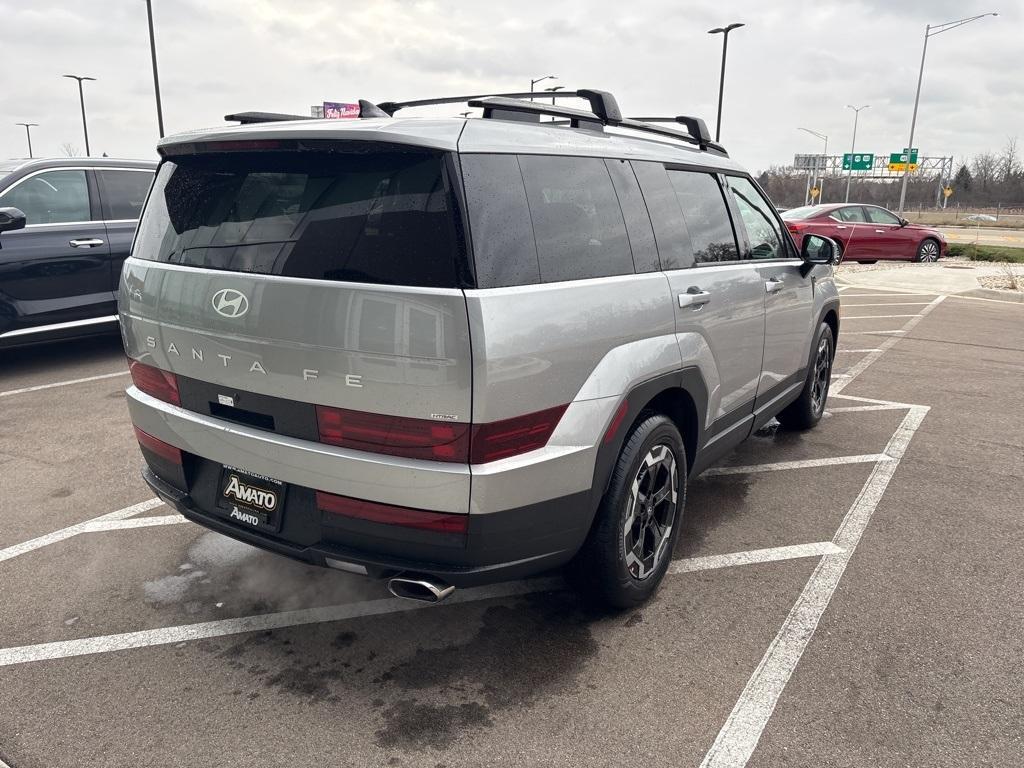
[59, 272]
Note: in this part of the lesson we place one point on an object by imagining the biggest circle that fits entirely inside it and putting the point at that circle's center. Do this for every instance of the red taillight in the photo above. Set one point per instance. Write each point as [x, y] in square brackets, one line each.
[394, 435]
[510, 437]
[159, 447]
[162, 385]
[440, 522]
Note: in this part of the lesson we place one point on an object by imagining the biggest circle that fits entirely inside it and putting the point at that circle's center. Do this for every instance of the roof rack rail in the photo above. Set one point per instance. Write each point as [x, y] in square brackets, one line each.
[393, 106]
[696, 133]
[246, 118]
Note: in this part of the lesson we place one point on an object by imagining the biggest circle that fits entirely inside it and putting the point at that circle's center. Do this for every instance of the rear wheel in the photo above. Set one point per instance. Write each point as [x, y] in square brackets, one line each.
[806, 410]
[928, 251]
[630, 544]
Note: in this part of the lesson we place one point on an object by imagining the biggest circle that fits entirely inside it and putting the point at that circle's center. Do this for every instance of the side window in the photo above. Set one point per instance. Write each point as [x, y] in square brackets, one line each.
[499, 217]
[758, 219]
[881, 216]
[53, 197]
[576, 217]
[707, 217]
[638, 222]
[122, 193]
[673, 240]
[852, 213]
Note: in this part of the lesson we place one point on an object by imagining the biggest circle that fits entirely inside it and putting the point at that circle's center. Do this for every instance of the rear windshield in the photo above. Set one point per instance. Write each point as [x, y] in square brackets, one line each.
[804, 212]
[382, 216]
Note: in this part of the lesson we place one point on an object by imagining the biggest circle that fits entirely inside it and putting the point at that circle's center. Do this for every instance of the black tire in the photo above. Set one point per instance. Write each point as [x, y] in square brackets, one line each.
[603, 571]
[839, 253]
[806, 411]
[928, 251]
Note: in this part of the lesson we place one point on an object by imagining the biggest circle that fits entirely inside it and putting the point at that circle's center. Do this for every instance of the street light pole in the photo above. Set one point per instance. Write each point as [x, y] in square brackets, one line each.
[721, 80]
[156, 76]
[81, 99]
[28, 135]
[853, 145]
[929, 31]
[540, 80]
[825, 138]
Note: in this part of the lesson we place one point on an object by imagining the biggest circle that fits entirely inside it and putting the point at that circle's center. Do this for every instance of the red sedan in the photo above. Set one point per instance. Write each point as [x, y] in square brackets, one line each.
[867, 233]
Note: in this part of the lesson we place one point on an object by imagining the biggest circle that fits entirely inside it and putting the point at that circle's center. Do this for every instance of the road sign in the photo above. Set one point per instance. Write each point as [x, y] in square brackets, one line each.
[809, 162]
[815, 191]
[858, 162]
[947, 191]
[903, 157]
[900, 167]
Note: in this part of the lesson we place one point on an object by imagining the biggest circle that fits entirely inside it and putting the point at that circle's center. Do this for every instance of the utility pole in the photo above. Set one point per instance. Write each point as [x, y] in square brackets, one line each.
[81, 99]
[853, 145]
[534, 82]
[28, 135]
[156, 75]
[724, 31]
[929, 31]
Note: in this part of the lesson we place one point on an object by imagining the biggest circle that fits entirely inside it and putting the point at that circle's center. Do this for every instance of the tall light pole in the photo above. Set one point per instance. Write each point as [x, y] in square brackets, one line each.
[156, 76]
[28, 135]
[721, 80]
[929, 31]
[853, 144]
[825, 138]
[81, 98]
[534, 82]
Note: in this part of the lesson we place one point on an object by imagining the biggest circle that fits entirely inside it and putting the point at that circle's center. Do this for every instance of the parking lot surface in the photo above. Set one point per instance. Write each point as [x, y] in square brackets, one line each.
[848, 596]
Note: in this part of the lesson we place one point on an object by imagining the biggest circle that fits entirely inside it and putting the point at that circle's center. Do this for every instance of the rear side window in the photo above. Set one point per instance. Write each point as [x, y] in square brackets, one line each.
[707, 217]
[499, 217]
[375, 216]
[123, 193]
[638, 222]
[51, 197]
[576, 218]
[666, 217]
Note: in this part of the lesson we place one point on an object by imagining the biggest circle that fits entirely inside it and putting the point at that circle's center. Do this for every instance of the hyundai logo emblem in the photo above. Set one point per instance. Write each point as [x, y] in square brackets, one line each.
[230, 303]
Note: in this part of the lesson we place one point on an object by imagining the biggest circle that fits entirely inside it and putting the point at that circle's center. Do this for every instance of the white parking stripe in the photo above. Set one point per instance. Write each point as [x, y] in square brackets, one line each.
[739, 736]
[873, 349]
[892, 304]
[74, 530]
[866, 458]
[868, 359]
[872, 317]
[38, 387]
[772, 555]
[859, 408]
[137, 522]
[866, 333]
[877, 295]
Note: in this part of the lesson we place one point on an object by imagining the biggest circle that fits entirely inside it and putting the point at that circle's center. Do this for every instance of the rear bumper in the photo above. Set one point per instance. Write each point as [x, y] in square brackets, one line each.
[498, 547]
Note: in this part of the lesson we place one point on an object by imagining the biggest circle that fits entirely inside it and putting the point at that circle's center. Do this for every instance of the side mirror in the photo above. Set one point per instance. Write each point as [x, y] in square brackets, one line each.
[817, 249]
[903, 222]
[11, 218]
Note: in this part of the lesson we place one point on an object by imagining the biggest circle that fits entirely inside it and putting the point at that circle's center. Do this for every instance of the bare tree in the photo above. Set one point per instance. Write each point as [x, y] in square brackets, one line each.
[69, 149]
[984, 167]
[1008, 165]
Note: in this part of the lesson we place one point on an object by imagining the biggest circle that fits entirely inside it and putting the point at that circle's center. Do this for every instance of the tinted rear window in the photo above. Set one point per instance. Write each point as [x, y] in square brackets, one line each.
[667, 218]
[123, 192]
[380, 216]
[707, 217]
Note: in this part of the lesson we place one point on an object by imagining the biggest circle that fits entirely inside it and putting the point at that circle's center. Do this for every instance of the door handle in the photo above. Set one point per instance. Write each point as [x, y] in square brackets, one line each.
[694, 297]
[86, 242]
[773, 284]
[840, 226]
[880, 230]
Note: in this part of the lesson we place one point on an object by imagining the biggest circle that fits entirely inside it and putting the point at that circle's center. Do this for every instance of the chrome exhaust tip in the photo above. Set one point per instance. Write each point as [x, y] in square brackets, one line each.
[419, 588]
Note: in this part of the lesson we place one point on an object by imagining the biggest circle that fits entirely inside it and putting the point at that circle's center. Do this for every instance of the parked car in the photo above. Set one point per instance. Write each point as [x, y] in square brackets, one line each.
[68, 228]
[868, 233]
[457, 351]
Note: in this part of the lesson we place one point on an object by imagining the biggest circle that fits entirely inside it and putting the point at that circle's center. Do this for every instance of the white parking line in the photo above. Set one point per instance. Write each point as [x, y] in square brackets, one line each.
[878, 295]
[860, 408]
[866, 333]
[137, 522]
[873, 349]
[165, 635]
[868, 359]
[872, 317]
[38, 387]
[867, 458]
[77, 528]
[772, 555]
[893, 304]
[739, 736]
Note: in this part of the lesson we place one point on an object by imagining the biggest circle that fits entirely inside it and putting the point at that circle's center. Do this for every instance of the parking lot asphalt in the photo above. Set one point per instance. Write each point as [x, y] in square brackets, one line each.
[848, 596]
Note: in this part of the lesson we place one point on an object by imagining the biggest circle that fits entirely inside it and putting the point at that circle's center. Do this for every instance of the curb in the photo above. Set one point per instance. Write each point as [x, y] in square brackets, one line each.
[995, 293]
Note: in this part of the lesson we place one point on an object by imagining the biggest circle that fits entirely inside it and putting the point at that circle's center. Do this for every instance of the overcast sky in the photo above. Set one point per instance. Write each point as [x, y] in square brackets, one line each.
[796, 63]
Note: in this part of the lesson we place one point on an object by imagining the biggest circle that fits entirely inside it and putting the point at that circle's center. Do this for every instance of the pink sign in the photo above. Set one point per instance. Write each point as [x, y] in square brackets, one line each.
[334, 110]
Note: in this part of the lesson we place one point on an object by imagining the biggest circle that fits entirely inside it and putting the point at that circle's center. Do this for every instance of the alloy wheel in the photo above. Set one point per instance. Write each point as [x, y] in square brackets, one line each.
[929, 251]
[651, 512]
[822, 374]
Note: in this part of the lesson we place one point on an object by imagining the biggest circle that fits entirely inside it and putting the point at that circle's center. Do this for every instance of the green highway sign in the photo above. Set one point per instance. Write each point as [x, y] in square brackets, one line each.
[858, 161]
[901, 157]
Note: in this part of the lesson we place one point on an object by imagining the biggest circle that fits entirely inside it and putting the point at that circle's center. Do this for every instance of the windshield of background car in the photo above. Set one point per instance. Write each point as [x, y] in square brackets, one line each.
[374, 216]
[803, 212]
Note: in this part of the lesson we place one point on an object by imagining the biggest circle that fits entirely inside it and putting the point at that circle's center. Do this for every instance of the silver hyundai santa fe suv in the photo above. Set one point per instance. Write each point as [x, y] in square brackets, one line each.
[449, 351]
